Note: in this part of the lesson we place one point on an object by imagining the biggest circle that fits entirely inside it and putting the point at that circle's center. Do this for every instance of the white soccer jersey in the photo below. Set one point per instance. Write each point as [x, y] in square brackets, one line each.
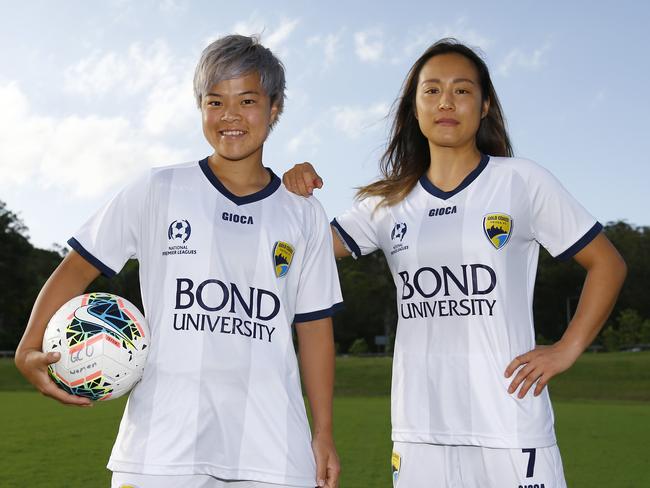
[464, 265]
[222, 279]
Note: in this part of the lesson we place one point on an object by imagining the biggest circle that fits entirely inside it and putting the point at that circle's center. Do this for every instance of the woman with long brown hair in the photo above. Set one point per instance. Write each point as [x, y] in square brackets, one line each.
[460, 221]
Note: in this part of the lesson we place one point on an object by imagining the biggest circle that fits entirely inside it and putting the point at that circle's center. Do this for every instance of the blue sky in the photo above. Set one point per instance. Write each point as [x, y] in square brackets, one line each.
[93, 93]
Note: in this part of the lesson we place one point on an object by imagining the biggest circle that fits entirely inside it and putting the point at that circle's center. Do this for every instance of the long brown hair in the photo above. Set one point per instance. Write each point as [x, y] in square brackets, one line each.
[407, 156]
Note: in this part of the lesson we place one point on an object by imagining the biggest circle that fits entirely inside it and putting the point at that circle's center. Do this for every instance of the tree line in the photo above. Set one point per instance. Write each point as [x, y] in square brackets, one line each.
[367, 324]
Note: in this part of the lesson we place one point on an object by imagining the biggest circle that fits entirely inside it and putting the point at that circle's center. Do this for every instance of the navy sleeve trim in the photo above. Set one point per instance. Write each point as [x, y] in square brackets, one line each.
[318, 314]
[581, 243]
[105, 270]
[353, 246]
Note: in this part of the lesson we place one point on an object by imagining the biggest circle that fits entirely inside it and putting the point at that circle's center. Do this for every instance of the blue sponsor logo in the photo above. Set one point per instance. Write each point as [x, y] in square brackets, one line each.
[434, 212]
[236, 218]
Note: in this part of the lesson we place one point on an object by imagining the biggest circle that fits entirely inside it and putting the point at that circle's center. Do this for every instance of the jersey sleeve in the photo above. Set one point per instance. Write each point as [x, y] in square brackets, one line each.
[319, 291]
[110, 237]
[357, 228]
[559, 222]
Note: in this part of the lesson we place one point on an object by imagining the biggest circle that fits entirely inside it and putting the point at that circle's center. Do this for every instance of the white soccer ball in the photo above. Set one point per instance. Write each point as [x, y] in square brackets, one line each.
[103, 340]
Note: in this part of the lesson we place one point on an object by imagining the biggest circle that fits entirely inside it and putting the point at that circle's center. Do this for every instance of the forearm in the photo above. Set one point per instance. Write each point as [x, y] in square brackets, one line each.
[316, 354]
[605, 276]
[70, 279]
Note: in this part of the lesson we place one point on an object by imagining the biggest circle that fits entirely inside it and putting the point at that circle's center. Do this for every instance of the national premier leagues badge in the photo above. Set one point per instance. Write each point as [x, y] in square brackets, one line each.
[498, 229]
[179, 230]
[399, 231]
[282, 257]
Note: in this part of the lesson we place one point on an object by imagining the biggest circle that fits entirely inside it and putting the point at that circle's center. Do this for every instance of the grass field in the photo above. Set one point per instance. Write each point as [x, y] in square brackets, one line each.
[602, 410]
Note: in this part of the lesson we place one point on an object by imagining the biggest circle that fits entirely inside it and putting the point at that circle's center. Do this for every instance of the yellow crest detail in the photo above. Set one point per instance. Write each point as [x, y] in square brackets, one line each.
[282, 257]
[498, 229]
[395, 464]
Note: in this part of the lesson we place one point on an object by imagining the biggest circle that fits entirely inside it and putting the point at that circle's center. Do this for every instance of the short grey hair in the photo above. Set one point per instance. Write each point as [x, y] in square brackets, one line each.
[235, 56]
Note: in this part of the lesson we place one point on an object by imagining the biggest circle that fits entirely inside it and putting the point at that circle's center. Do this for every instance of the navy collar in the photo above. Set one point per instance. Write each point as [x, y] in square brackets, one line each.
[444, 195]
[237, 200]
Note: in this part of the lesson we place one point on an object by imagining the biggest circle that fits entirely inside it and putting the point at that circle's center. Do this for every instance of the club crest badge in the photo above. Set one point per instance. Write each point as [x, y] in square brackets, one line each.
[282, 257]
[498, 229]
[395, 464]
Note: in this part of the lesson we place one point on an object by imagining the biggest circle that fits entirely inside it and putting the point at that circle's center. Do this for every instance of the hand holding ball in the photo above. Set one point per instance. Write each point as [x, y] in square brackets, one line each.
[103, 340]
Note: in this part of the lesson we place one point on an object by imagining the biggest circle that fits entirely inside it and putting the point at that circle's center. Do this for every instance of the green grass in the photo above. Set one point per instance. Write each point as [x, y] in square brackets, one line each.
[10, 378]
[365, 376]
[620, 376]
[362, 435]
[45, 444]
[602, 410]
[604, 444]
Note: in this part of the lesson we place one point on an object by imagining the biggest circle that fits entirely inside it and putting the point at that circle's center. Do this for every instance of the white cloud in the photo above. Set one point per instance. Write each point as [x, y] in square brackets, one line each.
[280, 35]
[173, 6]
[253, 25]
[95, 75]
[465, 34]
[306, 138]
[331, 45]
[82, 155]
[373, 45]
[518, 58]
[275, 38]
[170, 106]
[160, 83]
[369, 45]
[353, 121]
[419, 40]
[136, 71]
[21, 136]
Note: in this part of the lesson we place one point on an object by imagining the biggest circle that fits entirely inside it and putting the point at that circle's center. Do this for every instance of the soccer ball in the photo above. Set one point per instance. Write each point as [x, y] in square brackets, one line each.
[103, 340]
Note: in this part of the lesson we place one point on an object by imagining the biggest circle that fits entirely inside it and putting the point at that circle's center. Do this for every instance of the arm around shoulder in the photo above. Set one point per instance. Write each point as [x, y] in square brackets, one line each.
[302, 179]
[340, 251]
[68, 280]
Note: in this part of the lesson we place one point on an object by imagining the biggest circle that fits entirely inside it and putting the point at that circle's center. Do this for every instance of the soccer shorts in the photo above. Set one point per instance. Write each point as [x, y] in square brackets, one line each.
[419, 465]
[133, 480]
